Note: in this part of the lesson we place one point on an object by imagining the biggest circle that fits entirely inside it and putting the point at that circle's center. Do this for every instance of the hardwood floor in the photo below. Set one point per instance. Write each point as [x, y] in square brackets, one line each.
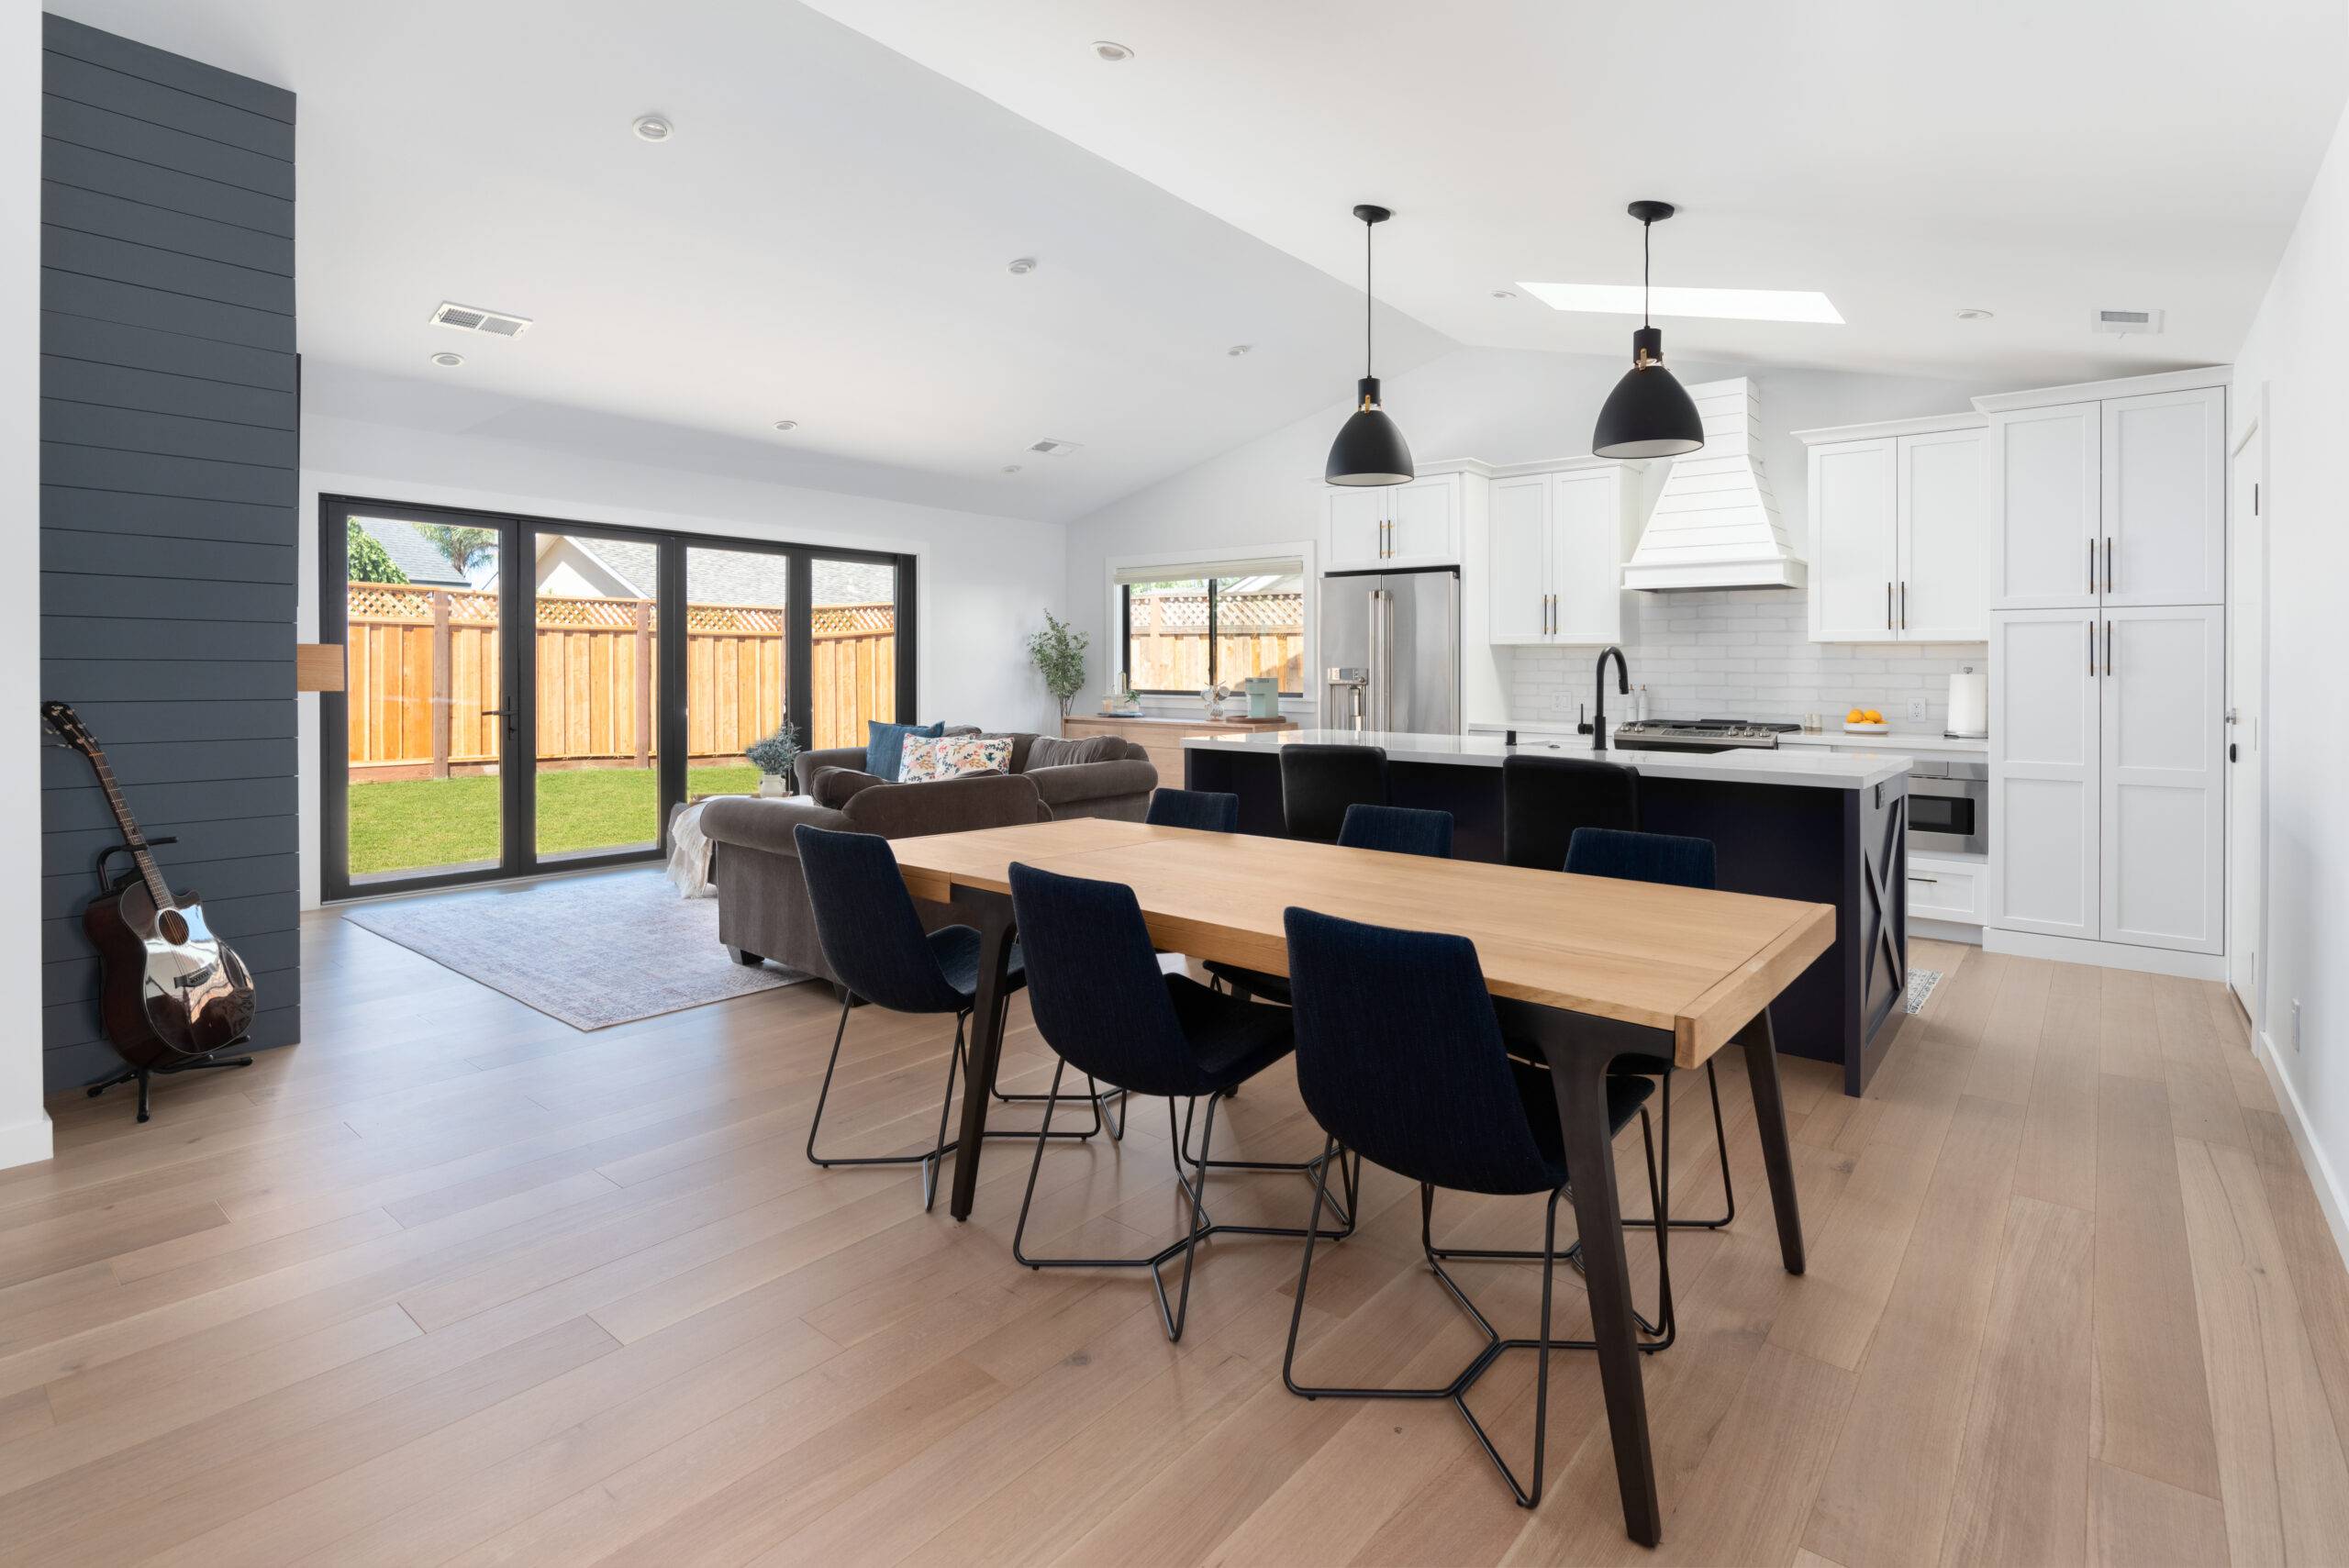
[452, 1283]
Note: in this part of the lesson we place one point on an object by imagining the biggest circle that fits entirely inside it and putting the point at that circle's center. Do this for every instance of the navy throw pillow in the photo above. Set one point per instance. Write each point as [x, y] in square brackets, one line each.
[884, 745]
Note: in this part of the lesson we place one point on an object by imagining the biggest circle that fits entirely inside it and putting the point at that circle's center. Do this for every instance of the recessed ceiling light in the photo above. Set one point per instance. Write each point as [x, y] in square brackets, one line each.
[1504, 293]
[448, 361]
[653, 128]
[787, 424]
[1113, 52]
[1238, 349]
[1973, 313]
[1726, 304]
[1011, 468]
[1022, 265]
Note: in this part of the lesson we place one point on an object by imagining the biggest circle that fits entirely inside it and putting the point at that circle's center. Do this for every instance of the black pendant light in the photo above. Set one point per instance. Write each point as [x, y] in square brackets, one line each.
[1369, 448]
[1649, 414]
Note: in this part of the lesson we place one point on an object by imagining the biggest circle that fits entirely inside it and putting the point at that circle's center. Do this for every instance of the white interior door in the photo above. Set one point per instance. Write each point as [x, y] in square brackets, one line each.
[1585, 521]
[2164, 785]
[2044, 513]
[2045, 761]
[1941, 597]
[1518, 596]
[2246, 690]
[1854, 542]
[2164, 498]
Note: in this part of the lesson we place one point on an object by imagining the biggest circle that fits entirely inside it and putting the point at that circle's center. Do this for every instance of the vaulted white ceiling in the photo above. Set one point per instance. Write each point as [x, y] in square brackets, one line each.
[826, 237]
[2039, 159]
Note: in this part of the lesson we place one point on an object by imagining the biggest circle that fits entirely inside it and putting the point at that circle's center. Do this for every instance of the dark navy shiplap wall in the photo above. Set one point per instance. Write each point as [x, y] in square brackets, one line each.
[169, 478]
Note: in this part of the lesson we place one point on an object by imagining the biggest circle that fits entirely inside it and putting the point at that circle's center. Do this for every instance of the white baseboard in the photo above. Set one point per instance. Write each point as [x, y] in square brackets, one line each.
[26, 1142]
[2329, 1195]
[2107, 955]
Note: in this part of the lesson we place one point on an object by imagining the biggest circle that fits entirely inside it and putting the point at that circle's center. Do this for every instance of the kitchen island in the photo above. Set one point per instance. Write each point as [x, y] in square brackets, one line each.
[1829, 828]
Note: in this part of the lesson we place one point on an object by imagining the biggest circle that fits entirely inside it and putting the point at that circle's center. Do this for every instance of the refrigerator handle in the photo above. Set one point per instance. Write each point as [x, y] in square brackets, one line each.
[1381, 659]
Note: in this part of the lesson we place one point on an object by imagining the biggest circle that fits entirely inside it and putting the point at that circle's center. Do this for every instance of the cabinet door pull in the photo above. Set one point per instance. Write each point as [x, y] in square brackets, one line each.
[2091, 649]
[1553, 613]
[2107, 649]
[2107, 563]
[1904, 604]
[1888, 606]
[1914, 878]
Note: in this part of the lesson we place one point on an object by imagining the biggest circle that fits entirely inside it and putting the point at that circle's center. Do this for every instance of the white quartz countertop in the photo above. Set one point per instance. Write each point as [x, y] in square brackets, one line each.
[1898, 740]
[1817, 767]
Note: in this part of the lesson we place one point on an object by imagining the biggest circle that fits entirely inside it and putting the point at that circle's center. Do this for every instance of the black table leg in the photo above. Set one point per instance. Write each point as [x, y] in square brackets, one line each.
[1578, 1074]
[987, 1043]
[1770, 1121]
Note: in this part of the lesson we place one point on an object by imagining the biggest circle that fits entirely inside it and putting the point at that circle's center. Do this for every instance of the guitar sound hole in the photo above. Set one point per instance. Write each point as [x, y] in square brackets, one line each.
[172, 925]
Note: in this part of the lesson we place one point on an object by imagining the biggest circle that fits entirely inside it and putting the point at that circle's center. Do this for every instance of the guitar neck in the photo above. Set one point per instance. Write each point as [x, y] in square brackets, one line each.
[157, 889]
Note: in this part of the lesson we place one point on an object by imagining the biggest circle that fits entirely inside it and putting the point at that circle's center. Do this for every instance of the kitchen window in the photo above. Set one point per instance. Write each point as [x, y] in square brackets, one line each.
[1214, 626]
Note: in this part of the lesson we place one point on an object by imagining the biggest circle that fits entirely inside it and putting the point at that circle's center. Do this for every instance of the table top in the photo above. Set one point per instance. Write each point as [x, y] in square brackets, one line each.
[1694, 962]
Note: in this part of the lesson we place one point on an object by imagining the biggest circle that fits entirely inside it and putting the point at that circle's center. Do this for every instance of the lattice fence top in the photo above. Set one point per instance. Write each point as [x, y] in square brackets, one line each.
[409, 604]
[1235, 612]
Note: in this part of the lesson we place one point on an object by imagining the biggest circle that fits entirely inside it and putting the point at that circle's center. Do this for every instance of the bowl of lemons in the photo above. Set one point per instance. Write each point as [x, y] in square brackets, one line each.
[1865, 721]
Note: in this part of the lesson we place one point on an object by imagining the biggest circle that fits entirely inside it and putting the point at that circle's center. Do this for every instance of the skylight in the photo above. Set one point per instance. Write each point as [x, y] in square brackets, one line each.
[1728, 305]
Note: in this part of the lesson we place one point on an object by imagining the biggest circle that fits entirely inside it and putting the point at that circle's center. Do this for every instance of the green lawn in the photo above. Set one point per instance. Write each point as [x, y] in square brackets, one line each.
[411, 824]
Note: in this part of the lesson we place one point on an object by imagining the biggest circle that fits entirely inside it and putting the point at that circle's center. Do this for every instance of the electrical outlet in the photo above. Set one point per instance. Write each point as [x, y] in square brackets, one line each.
[1561, 704]
[2295, 1026]
[1915, 710]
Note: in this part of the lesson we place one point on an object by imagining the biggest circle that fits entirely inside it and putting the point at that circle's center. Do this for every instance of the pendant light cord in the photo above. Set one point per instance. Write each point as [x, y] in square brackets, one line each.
[1367, 297]
[1645, 229]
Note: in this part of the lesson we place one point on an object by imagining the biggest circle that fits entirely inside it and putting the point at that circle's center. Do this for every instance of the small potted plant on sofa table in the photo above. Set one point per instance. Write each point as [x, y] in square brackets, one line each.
[773, 756]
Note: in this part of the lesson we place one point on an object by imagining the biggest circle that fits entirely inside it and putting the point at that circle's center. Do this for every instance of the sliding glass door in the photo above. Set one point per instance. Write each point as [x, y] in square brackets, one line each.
[523, 694]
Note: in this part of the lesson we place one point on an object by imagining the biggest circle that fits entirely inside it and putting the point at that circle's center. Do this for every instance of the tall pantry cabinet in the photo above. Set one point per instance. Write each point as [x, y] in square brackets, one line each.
[2107, 518]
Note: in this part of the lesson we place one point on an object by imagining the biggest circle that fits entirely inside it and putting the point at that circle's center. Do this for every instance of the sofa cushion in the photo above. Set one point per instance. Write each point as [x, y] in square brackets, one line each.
[884, 745]
[1053, 751]
[928, 760]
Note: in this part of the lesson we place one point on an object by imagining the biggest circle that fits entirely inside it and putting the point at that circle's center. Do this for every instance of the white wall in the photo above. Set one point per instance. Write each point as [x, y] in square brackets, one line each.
[2292, 358]
[984, 582]
[23, 1125]
[1508, 406]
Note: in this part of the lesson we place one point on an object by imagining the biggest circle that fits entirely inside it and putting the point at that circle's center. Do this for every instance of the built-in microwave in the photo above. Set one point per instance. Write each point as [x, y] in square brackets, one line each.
[1949, 806]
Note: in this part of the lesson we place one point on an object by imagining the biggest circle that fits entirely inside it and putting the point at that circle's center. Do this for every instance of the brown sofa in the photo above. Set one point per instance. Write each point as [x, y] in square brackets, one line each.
[762, 908]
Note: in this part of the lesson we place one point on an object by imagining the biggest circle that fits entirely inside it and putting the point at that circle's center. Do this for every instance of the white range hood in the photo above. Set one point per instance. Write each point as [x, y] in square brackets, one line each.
[1716, 525]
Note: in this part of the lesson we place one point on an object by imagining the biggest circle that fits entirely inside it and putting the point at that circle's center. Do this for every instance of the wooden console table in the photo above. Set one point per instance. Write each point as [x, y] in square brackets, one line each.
[1163, 737]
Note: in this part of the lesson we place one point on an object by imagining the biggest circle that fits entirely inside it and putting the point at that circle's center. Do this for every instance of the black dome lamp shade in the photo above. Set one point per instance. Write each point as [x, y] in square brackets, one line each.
[1649, 414]
[1369, 448]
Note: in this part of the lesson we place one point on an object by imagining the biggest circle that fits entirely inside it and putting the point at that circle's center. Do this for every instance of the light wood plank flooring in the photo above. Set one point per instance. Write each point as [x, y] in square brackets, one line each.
[452, 1283]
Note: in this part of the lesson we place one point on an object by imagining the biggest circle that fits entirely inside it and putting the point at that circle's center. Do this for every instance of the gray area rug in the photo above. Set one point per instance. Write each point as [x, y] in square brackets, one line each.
[592, 950]
[1921, 986]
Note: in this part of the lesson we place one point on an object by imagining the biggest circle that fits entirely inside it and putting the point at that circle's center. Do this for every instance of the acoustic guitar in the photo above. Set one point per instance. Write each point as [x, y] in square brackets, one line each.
[172, 994]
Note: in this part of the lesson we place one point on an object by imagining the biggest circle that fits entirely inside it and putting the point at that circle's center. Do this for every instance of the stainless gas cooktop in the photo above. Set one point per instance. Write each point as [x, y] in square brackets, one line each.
[1699, 735]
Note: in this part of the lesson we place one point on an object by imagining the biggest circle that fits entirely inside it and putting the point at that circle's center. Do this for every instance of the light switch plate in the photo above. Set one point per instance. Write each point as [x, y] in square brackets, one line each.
[1915, 710]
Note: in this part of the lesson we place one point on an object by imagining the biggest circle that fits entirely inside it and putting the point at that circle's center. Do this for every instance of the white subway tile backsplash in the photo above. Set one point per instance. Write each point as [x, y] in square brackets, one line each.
[1745, 653]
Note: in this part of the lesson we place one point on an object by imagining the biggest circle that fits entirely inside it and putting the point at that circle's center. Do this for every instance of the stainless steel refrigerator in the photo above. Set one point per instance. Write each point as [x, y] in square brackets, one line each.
[1390, 651]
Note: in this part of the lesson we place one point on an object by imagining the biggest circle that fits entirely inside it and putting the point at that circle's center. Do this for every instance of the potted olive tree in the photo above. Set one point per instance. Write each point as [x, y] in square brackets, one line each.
[1058, 654]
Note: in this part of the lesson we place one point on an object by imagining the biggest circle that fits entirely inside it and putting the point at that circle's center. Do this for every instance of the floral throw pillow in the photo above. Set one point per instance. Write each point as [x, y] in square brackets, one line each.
[929, 758]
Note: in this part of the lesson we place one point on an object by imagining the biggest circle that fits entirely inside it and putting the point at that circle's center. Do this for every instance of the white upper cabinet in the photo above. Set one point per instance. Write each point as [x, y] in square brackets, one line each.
[1517, 573]
[2164, 498]
[2046, 517]
[1371, 527]
[1855, 542]
[1558, 541]
[1943, 596]
[1897, 533]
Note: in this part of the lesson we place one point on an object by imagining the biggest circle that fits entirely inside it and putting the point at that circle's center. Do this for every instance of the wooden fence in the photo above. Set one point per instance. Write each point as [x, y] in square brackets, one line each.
[424, 679]
[1255, 634]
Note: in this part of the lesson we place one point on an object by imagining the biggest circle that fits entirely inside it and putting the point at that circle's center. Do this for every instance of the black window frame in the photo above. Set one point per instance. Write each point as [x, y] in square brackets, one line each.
[1126, 632]
[519, 855]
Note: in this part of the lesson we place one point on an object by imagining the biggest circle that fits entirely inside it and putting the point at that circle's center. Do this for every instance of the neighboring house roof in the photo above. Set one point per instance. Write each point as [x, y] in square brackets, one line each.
[413, 554]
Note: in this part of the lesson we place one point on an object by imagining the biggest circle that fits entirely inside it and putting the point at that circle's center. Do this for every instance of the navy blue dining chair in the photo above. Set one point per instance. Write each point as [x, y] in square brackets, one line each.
[872, 937]
[1679, 862]
[1401, 1060]
[1208, 811]
[1396, 829]
[1101, 1001]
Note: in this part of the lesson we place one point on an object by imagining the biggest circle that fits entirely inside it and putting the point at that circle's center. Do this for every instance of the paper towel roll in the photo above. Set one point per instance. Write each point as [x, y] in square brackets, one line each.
[1969, 704]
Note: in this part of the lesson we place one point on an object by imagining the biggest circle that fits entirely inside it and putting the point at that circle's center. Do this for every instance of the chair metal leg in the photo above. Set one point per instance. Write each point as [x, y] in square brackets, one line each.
[1203, 1226]
[931, 1159]
[1101, 1123]
[1301, 1167]
[1457, 1390]
[1662, 1332]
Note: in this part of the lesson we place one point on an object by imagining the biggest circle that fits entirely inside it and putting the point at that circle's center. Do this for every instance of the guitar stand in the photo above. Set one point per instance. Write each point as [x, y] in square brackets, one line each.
[142, 1074]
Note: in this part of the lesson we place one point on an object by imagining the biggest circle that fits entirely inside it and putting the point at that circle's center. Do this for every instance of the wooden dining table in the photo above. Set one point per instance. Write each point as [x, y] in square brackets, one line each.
[1584, 968]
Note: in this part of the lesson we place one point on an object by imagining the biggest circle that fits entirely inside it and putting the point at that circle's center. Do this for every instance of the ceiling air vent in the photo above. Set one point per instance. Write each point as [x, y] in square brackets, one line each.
[2125, 323]
[1052, 448]
[472, 319]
